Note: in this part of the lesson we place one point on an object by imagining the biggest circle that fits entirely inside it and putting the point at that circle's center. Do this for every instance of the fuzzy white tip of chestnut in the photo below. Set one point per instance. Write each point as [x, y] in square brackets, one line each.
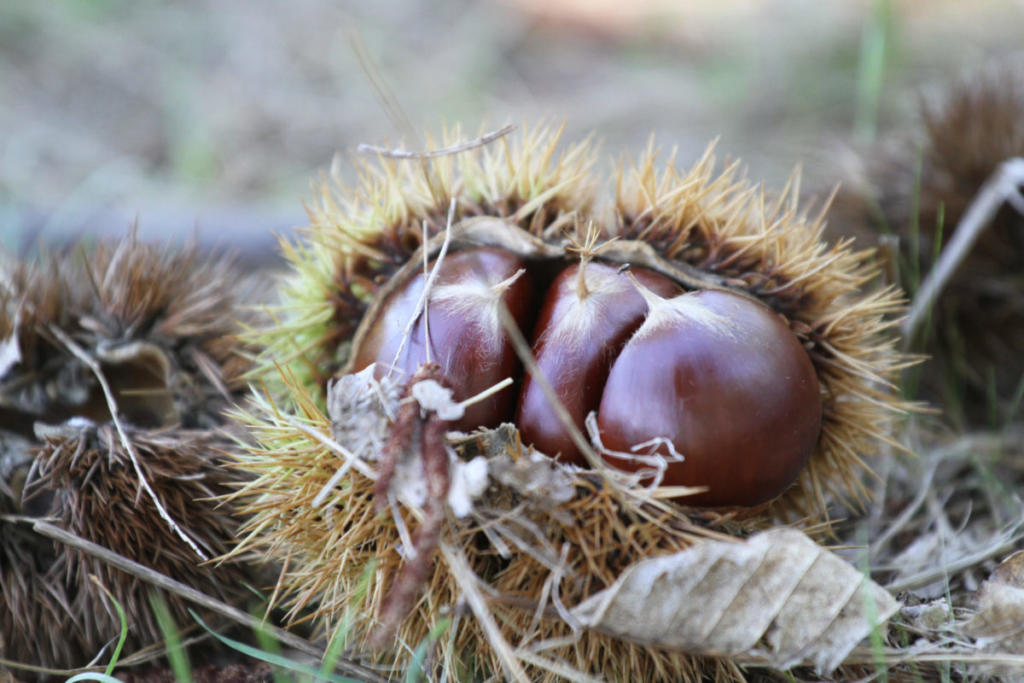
[687, 307]
[477, 299]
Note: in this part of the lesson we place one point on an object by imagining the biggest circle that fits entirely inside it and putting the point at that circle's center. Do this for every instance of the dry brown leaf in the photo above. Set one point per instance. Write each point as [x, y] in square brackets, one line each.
[999, 623]
[777, 597]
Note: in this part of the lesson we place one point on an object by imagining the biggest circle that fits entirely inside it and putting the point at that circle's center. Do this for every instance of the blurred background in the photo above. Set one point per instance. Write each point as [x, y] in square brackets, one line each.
[210, 118]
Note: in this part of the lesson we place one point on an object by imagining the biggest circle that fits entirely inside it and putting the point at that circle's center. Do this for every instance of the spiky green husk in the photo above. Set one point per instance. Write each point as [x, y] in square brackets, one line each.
[719, 224]
[360, 235]
[723, 224]
[326, 548]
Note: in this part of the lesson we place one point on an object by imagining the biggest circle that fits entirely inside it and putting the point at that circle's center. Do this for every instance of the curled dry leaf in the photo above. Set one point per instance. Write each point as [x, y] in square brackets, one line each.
[537, 477]
[999, 622]
[360, 408]
[777, 597]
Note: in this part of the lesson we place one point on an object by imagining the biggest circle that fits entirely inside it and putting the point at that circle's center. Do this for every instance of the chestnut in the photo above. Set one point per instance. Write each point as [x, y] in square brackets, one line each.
[726, 381]
[466, 335]
[588, 313]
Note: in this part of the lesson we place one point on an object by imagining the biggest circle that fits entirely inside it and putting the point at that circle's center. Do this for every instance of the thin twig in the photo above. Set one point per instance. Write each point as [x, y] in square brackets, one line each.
[466, 580]
[159, 580]
[867, 655]
[354, 460]
[486, 393]
[409, 581]
[385, 94]
[529, 361]
[556, 599]
[422, 303]
[94, 366]
[1003, 186]
[146, 654]
[339, 474]
[426, 274]
[444, 151]
[561, 669]
[967, 561]
[907, 514]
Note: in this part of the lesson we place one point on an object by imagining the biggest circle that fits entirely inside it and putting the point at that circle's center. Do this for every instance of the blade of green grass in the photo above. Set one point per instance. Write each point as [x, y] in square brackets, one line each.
[1015, 401]
[124, 625]
[876, 638]
[176, 654]
[415, 671]
[914, 280]
[91, 676]
[341, 636]
[269, 644]
[269, 658]
[874, 48]
[334, 649]
[910, 277]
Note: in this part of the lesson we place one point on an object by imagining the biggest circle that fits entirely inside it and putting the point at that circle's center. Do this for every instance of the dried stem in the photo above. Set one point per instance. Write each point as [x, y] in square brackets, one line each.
[400, 439]
[1003, 186]
[84, 356]
[444, 151]
[415, 571]
[466, 581]
[159, 580]
[434, 455]
[421, 305]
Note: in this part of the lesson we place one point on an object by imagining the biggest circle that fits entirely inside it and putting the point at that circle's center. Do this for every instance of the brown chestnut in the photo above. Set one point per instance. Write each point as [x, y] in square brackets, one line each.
[728, 384]
[466, 335]
[588, 313]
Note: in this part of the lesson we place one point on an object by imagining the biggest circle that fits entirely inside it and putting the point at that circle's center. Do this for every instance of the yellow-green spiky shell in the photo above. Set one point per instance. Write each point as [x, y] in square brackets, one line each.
[326, 546]
[699, 221]
[359, 235]
[723, 224]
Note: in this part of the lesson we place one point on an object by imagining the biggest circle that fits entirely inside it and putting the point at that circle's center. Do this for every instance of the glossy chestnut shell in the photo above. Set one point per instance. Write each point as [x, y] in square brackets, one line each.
[584, 321]
[466, 335]
[719, 376]
[725, 380]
